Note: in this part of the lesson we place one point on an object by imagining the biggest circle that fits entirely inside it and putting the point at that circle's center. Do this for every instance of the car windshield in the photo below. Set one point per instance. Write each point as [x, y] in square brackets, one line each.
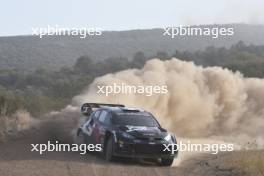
[135, 119]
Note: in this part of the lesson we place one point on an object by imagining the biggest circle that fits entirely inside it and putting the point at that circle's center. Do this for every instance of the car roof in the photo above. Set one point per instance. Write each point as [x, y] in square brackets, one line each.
[122, 109]
[127, 110]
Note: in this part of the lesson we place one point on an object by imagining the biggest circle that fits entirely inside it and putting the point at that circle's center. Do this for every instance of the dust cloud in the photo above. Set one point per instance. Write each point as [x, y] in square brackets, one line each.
[203, 105]
[202, 102]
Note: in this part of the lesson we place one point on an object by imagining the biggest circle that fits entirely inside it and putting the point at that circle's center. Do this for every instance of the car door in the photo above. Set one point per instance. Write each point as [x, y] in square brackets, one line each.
[103, 125]
[89, 128]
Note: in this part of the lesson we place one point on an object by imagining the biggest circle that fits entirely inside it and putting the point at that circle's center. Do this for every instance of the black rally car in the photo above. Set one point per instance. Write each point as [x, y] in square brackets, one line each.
[125, 132]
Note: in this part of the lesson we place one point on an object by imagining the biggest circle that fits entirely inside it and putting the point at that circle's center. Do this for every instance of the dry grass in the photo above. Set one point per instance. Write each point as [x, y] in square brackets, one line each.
[252, 162]
[248, 163]
[21, 120]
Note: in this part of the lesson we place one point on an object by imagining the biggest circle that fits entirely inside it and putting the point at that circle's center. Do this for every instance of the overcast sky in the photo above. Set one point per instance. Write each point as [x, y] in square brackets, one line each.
[19, 16]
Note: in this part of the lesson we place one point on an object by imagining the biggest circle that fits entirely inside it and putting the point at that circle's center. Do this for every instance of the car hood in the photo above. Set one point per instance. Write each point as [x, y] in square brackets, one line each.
[144, 132]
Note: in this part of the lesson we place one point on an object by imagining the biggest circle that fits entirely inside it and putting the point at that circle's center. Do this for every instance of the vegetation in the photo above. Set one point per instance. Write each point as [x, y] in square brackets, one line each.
[44, 90]
[28, 53]
[249, 60]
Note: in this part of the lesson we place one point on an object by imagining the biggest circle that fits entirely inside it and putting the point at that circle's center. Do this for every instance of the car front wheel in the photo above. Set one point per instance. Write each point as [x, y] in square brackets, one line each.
[109, 149]
[166, 161]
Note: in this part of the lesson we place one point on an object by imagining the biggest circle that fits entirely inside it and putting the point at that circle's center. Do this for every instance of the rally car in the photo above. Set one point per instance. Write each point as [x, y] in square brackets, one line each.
[125, 132]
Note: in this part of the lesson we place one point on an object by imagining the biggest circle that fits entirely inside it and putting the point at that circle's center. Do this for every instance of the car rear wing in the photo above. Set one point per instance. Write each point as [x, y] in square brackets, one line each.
[87, 108]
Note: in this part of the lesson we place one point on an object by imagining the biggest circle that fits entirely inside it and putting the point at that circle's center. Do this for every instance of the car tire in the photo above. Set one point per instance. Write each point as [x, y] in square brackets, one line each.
[109, 149]
[166, 161]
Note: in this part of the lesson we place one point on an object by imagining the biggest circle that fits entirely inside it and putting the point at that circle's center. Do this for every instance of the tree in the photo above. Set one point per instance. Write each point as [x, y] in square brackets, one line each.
[84, 65]
[112, 64]
[139, 60]
[162, 55]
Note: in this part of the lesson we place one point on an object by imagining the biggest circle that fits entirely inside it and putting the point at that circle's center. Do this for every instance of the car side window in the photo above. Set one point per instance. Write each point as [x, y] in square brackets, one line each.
[104, 117]
[96, 114]
[92, 118]
[108, 118]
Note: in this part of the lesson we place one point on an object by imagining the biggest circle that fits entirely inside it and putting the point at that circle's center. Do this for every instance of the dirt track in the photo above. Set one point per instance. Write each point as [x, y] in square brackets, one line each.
[16, 159]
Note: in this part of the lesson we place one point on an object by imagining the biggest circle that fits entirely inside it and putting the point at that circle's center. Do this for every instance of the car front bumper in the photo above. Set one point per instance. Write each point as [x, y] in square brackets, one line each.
[142, 150]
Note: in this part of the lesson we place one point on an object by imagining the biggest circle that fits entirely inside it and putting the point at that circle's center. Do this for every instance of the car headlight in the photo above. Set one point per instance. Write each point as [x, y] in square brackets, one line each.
[126, 135]
[168, 138]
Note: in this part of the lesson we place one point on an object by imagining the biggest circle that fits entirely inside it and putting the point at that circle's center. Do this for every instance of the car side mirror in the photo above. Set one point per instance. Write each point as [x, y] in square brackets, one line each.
[162, 129]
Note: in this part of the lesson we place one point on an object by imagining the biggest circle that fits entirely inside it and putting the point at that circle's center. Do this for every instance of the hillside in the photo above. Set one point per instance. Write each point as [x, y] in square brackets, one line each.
[30, 52]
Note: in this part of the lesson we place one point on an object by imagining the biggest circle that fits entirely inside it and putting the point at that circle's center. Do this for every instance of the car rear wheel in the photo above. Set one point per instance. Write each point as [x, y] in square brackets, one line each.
[80, 138]
[109, 149]
[166, 161]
